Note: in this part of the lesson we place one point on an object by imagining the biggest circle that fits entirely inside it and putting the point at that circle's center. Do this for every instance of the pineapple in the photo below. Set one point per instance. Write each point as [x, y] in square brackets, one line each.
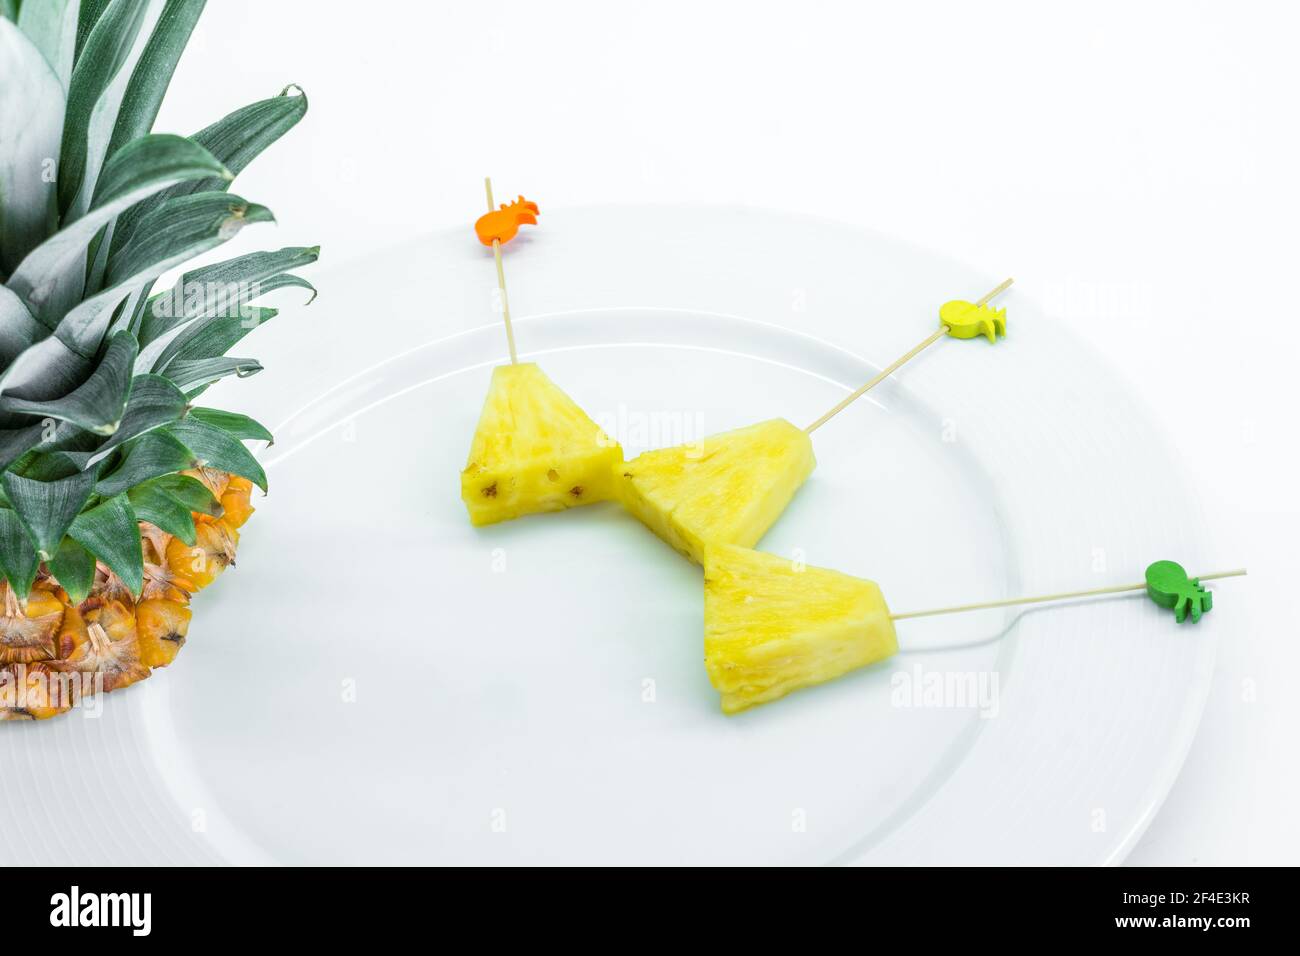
[534, 450]
[771, 628]
[728, 489]
[120, 496]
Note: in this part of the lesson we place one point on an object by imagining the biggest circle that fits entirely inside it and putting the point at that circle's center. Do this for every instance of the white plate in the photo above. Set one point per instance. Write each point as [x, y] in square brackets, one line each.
[380, 682]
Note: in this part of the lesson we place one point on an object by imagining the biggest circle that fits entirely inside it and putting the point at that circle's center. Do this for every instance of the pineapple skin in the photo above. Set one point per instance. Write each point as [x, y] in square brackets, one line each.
[728, 489]
[770, 629]
[534, 450]
[136, 633]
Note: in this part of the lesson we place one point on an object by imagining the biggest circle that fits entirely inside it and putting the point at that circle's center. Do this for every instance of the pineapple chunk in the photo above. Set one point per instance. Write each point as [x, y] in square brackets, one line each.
[770, 629]
[534, 450]
[727, 489]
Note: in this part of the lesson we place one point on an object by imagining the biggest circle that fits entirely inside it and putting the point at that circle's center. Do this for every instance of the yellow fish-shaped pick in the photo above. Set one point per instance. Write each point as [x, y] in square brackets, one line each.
[965, 320]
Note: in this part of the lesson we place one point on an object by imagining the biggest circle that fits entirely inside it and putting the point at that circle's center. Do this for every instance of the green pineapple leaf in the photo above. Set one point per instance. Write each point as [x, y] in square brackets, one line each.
[153, 73]
[50, 278]
[240, 137]
[235, 140]
[151, 455]
[153, 504]
[44, 370]
[47, 466]
[16, 442]
[18, 559]
[51, 25]
[221, 290]
[47, 508]
[154, 401]
[74, 568]
[94, 99]
[37, 451]
[175, 232]
[139, 103]
[87, 16]
[254, 268]
[18, 330]
[98, 403]
[217, 449]
[196, 375]
[210, 338]
[190, 492]
[287, 280]
[109, 531]
[232, 423]
[146, 166]
[31, 117]
[195, 223]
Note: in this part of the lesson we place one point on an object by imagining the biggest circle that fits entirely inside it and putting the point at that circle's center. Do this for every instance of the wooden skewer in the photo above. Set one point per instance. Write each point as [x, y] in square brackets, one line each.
[501, 279]
[1003, 286]
[1043, 598]
[901, 361]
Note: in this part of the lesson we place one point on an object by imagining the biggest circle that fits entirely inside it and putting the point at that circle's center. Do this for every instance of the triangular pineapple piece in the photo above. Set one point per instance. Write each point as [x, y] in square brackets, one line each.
[772, 627]
[534, 450]
[726, 489]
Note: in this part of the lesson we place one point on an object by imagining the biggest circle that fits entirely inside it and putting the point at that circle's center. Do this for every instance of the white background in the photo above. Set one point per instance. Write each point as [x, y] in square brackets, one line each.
[1132, 164]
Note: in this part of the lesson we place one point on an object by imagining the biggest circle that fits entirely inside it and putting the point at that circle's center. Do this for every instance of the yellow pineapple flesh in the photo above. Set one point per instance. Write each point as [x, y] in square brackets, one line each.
[727, 489]
[534, 450]
[772, 627]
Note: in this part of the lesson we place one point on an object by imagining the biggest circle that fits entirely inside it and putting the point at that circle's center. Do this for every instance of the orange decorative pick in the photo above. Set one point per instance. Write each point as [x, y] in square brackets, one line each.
[500, 225]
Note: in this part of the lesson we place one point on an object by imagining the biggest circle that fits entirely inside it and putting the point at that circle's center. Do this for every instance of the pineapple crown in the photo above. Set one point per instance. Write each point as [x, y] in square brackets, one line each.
[100, 373]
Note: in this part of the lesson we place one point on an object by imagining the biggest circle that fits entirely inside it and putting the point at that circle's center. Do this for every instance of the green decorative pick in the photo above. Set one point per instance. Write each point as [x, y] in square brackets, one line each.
[1169, 586]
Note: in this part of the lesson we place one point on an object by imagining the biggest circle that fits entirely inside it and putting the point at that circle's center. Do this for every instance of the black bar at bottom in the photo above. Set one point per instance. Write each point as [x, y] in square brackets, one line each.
[334, 905]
